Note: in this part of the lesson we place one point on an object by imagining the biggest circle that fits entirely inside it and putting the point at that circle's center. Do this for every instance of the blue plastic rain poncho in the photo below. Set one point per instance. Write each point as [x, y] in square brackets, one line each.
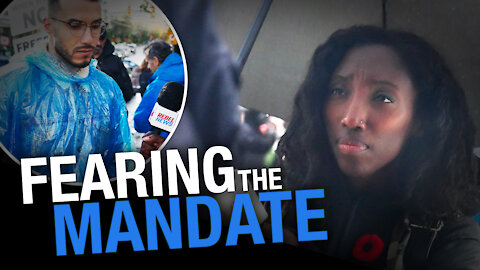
[47, 109]
[171, 70]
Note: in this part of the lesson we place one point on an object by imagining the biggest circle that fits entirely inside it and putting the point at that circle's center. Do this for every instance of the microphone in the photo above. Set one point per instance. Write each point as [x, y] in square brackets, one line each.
[165, 112]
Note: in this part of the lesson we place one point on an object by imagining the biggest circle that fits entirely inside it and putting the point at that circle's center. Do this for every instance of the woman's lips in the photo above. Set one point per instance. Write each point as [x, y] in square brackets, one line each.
[351, 146]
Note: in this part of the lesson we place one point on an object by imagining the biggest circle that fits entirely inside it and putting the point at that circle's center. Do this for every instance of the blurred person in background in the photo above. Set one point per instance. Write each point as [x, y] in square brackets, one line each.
[141, 77]
[166, 66]
[113, 66]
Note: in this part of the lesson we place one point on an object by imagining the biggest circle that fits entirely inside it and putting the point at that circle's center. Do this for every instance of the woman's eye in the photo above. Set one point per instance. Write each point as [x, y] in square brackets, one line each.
[336, 91]
[384, 99]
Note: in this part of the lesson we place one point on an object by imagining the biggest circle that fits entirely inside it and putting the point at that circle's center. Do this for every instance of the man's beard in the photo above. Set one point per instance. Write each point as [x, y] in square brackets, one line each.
[68, 58]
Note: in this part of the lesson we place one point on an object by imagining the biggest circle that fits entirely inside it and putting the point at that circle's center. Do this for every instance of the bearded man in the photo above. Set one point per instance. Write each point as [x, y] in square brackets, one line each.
[54, 102]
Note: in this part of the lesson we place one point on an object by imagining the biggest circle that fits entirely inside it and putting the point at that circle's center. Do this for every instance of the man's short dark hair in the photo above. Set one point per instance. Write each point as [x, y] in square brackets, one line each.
[159, 49]
[54, 6]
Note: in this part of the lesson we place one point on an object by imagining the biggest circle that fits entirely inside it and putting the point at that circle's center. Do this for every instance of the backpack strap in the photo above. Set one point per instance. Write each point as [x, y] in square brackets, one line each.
[418, 239]
[398, 243]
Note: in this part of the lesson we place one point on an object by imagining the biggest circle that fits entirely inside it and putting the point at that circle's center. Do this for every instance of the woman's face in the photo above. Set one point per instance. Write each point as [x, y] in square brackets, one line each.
[369, 110]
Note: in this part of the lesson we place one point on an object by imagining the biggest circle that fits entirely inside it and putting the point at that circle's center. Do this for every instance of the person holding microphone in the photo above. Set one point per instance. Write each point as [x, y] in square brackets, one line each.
[166, 66]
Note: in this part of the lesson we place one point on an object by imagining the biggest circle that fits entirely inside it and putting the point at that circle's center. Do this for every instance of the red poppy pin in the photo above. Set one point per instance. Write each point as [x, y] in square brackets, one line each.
[367, 248]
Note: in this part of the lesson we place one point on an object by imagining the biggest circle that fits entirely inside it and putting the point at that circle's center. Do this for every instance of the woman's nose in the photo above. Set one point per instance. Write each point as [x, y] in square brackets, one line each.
[355, 116]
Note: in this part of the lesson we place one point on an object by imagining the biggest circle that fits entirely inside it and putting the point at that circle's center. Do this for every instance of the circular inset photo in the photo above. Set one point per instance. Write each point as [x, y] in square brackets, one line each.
[82, 79]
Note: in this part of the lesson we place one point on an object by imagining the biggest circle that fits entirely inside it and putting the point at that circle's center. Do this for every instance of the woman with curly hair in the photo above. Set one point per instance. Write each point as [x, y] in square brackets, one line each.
[381, 124]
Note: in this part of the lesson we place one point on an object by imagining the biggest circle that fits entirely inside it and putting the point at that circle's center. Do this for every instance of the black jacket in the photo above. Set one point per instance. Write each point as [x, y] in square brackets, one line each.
[113, 66]
[349, 217]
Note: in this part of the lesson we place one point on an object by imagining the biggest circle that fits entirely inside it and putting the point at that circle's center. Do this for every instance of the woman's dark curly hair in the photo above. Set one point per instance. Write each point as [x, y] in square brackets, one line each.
[436, 167]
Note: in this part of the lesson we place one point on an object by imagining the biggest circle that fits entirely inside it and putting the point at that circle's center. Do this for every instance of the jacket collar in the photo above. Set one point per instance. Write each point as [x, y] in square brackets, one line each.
[58, 69]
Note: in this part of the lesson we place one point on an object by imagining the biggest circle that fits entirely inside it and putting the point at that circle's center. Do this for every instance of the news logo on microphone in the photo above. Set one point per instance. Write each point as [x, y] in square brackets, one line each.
[165, 112]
